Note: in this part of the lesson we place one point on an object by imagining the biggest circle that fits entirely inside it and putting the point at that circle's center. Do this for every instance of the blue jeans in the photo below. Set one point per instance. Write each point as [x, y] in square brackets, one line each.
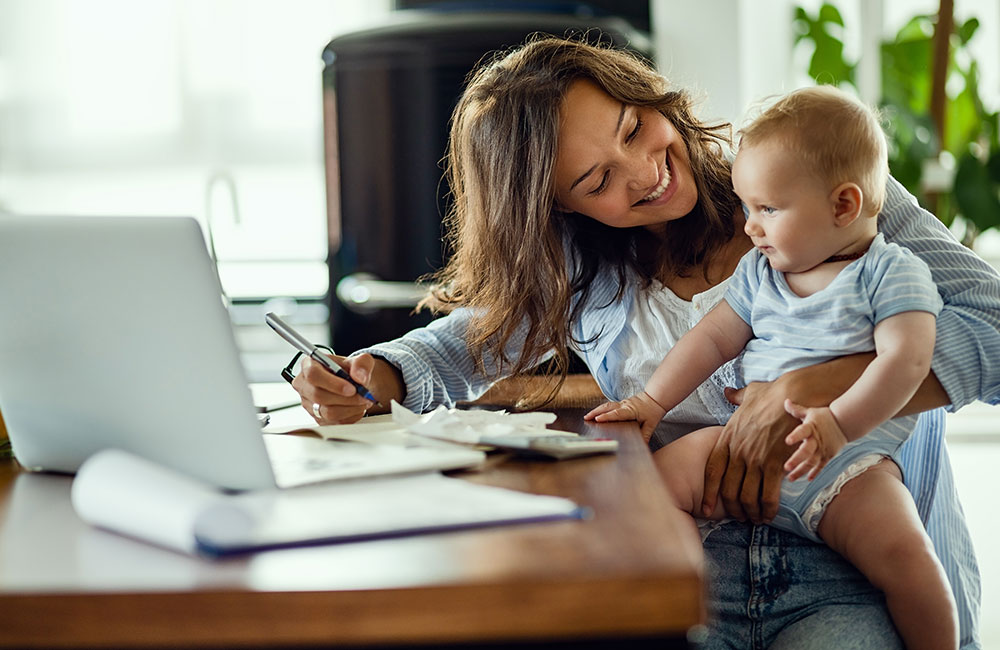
[770, 589]
[756, 593]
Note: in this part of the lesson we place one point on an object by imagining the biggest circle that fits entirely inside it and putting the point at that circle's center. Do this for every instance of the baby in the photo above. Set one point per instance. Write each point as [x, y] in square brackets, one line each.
[821, 283]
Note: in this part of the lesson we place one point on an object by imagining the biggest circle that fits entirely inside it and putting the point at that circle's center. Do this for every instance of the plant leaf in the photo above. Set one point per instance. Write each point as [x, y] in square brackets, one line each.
[830, 14]
[977, 195]
[917, 28]
[993, 166]
[967, 29]
[828, 65]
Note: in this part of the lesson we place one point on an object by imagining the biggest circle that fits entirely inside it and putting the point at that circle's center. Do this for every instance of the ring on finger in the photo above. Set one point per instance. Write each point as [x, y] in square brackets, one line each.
[317, 411]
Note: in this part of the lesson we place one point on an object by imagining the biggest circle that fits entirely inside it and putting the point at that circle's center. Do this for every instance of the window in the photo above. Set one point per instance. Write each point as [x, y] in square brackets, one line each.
[163, 107]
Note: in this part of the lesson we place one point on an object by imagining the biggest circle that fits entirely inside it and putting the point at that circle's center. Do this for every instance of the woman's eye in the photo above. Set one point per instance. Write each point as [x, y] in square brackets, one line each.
[604, 184]
[635, 130]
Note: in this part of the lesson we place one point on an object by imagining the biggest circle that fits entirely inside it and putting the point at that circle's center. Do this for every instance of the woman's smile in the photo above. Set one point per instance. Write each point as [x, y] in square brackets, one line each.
[659, 195]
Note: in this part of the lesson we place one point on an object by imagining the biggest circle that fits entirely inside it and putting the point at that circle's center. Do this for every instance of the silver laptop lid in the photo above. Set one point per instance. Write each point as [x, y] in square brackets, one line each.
[113, 334]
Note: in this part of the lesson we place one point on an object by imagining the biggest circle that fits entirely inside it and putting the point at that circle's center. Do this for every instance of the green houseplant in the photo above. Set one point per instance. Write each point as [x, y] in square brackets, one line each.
[967, 149]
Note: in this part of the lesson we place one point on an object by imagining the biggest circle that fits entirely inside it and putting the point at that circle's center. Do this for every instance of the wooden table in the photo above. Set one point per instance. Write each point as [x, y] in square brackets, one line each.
[631, 573]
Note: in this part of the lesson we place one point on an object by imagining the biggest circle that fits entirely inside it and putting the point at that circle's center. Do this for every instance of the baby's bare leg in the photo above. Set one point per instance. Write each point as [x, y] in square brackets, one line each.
[682, 468]
[873, 523]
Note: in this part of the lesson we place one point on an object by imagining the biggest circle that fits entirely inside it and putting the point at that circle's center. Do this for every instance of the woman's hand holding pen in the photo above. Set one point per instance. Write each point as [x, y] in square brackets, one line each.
[332, 400]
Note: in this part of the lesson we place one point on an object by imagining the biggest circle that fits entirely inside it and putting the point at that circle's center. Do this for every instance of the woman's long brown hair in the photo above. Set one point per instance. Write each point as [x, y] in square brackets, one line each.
[507, 237]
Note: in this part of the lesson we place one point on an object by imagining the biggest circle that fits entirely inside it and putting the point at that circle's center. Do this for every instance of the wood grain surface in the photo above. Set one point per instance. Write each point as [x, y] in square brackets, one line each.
[633, 570]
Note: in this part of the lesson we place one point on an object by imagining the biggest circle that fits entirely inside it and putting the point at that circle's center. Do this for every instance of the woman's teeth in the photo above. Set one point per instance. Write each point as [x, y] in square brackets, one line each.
[660, 188]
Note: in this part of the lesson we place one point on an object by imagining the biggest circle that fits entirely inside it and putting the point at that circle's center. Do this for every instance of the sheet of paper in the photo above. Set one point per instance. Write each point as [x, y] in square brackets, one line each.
[406, 428]
[468, 426]
[300, 460]
[365, 509]
[375, 430]
[127, 494]
[124, 493]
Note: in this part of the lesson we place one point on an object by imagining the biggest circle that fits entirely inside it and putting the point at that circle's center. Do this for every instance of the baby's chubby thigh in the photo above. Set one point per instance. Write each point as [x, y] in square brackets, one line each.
[682, 467]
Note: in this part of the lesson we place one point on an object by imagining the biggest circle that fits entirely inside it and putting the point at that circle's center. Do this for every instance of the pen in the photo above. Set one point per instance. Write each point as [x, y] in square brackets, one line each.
[303, 344]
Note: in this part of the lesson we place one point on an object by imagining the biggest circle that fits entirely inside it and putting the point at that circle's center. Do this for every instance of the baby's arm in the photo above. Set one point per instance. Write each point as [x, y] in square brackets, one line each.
[904, 345]
[717, 338]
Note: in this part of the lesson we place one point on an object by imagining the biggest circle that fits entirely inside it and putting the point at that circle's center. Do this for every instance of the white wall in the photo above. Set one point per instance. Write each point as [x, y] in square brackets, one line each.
[730, 52]
[738, 51]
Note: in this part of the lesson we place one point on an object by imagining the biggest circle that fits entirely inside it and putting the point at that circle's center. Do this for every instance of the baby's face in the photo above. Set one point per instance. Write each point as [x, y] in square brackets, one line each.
[790, 212]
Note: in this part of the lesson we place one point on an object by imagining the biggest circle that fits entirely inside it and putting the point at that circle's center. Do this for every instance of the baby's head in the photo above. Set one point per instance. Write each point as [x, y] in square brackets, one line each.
[834, 136]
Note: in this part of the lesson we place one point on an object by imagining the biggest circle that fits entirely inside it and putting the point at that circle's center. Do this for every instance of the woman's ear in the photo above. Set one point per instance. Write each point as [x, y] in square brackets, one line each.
[847, 201]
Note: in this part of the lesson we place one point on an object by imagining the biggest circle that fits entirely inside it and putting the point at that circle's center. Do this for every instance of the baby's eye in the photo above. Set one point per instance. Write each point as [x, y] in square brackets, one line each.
[766, 209]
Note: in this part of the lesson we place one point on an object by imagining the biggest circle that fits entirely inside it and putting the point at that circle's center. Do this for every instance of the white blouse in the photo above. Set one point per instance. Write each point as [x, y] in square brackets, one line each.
[657, 320]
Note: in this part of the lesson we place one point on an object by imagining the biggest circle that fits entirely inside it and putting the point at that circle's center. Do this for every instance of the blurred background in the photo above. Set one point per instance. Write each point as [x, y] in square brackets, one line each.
[305, 135]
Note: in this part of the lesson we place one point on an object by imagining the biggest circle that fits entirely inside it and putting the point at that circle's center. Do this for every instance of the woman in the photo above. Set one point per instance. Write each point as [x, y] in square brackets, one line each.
[593, 212]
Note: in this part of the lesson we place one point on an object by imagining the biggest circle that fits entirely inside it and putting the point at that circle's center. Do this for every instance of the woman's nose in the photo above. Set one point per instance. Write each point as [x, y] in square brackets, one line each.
[644, 173]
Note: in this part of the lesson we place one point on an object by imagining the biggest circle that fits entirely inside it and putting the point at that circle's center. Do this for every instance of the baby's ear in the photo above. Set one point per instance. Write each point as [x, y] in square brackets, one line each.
[846, 200]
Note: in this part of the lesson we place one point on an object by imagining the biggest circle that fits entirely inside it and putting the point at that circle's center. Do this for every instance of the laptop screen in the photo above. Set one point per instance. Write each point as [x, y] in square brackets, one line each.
[113, 334]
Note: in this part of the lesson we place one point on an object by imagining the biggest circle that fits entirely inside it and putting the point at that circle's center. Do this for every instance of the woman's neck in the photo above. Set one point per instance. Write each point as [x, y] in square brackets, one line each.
[721, 265]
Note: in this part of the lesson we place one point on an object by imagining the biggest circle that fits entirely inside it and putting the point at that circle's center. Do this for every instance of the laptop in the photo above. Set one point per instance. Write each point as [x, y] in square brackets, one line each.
[114, 334]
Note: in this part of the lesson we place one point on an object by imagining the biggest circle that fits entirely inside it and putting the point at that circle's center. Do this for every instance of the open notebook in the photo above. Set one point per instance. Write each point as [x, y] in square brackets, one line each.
[113, 334]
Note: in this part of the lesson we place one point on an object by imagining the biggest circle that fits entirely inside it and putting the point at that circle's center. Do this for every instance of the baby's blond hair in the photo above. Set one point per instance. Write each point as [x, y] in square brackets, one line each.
[837, 137]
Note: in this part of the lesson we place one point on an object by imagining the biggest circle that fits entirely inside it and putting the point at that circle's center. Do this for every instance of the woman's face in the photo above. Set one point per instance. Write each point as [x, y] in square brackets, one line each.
[621, 165]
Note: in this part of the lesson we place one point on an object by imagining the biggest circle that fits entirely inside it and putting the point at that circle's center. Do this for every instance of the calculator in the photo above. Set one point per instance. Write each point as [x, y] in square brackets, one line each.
[558, 446]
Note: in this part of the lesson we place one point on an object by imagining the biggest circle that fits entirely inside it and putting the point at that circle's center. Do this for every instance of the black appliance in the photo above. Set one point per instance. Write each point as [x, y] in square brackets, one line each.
[388, 94]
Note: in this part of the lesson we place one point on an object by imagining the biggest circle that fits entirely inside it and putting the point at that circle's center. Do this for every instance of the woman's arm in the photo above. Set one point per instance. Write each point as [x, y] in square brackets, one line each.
[338, 400]
[746, 466]
[967, 349]
[424, 368]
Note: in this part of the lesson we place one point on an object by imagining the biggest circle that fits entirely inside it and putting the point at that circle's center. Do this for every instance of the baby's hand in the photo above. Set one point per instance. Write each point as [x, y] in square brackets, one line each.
[640, 407]
[819, 439]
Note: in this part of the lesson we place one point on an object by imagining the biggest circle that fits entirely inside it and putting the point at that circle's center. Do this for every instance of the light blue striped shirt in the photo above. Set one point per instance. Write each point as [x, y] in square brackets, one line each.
[792, 331]
[437, 369]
